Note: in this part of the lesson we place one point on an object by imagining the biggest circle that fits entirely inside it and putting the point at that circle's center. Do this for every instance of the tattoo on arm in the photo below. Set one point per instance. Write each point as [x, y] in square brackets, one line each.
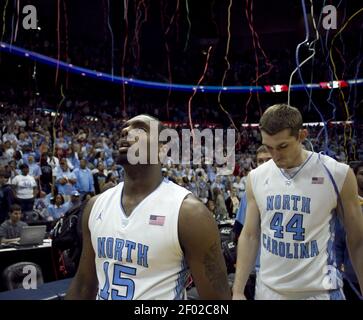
[215, 270]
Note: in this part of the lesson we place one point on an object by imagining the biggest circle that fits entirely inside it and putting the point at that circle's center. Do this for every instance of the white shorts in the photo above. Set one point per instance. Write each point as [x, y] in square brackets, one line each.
[264, 292]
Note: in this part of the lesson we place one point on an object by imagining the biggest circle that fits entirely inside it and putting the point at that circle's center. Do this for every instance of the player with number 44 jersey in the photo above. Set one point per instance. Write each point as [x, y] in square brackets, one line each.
[293, 203]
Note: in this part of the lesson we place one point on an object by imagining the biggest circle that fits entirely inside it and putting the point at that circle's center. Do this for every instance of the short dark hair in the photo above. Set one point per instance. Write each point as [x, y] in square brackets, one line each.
[59, 194]
[23, 166]
[15, 207]
[280, 117]
[161, 126]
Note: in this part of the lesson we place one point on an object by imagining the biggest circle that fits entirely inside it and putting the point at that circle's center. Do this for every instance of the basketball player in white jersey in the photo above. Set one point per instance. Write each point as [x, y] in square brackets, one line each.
[141, 238]
[291, 202]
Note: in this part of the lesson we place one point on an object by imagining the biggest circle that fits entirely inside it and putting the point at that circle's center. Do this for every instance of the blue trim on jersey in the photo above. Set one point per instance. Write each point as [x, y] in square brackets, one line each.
[332, 259]
[337, 294]
[339, 199]
[336, 276]
[331, 248]
[181, 281]
[294, 175]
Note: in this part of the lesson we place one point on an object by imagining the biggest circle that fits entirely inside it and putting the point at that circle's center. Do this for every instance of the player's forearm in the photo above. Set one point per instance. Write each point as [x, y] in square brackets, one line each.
[356, 255]
[81, 290]
[246, 259]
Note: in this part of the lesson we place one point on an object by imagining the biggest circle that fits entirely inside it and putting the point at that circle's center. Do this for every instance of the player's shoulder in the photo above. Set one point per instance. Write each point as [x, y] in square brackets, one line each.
[172, 185]
[331, 162]
[193, 208]
[263, 168]
[118, 187]
[105, 196]
[195, 221]
[171, 189]
[192, 200]
[320, 156]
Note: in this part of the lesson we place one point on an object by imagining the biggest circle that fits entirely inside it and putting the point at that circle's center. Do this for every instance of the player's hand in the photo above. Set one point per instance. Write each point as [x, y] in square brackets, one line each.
[238, 296]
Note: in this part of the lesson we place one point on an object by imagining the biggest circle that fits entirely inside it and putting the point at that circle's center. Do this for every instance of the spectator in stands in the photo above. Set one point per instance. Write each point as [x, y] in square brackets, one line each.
[221, 210]
[72, 157]
[232, 203]
[27, 152]
[41, 203]
[6, 195]
[34, 169]
[99, 177]
[239, 186]
[65, 179]
[100, 158]
[57, 209]
[177, 170]
[11, 228]
[212, 208]
[75, 200]
[12, 170]
[8, 150]
[85, 182]
[211, 172]
[109, 182]
[188, 172]
[219, 185]
[199, 171]
[203, 187]
[24, 188]
[53, 161]
[10, 136]
[46, 176]
[22, 141]
[193, 187]
[4, 159]
[165, 174]
[61, 142]
[118, 174]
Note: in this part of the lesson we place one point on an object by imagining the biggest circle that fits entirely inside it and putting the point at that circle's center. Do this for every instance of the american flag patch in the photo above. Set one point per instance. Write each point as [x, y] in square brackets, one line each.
[156, 220]
[317, 180]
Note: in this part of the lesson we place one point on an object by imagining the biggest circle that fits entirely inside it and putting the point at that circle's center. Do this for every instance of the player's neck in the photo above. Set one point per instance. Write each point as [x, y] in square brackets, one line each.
[360, 192]
[141, 180]
[300, 159]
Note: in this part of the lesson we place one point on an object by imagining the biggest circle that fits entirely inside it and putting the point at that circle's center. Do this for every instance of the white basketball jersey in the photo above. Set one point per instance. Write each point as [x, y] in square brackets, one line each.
[297, 226]
[139, 257]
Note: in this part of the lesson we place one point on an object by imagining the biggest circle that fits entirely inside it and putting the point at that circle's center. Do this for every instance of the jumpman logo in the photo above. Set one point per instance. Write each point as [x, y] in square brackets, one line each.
[266, 182]
[99, 216]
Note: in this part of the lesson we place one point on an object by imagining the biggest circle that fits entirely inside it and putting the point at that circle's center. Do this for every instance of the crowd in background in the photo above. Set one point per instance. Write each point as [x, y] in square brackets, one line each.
[50, 162]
